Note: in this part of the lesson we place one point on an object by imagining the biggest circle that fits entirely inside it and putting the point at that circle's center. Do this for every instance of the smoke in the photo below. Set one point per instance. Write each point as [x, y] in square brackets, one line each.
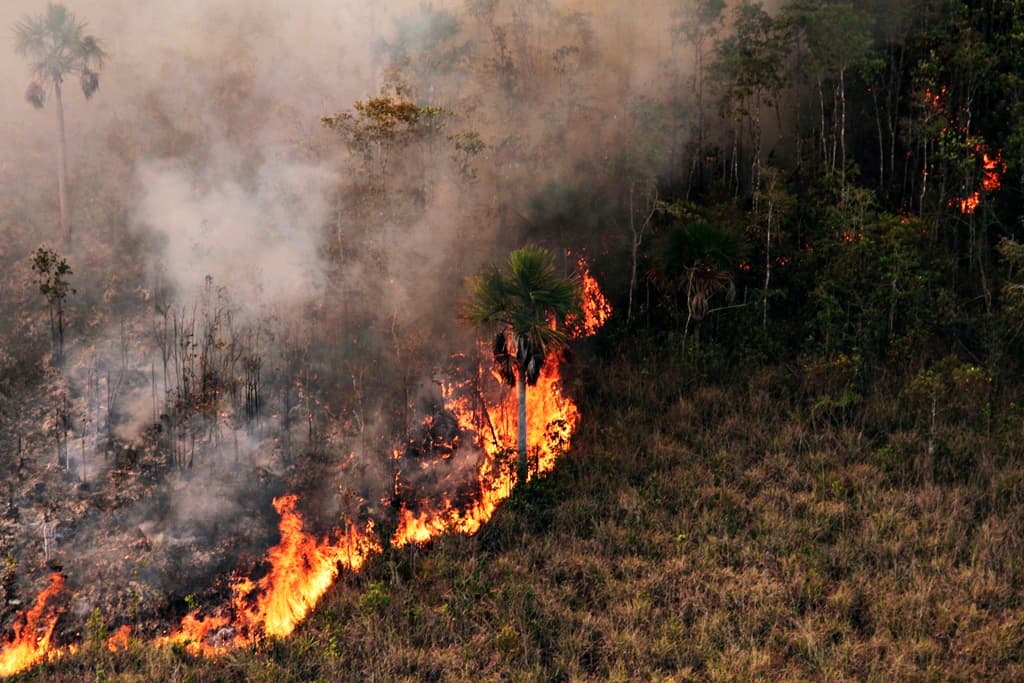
[262, 241]
[256, 252]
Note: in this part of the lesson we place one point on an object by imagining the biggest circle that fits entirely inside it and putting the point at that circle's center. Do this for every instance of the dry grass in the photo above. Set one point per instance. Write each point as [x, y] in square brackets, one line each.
[696, 532]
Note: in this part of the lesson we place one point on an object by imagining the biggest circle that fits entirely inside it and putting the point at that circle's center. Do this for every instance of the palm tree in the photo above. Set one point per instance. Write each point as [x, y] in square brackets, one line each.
[57, 45]
[525, 305]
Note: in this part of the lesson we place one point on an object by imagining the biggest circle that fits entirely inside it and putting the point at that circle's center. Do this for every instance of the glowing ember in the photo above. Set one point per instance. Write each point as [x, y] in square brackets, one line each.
[31, 641]
[993, 167]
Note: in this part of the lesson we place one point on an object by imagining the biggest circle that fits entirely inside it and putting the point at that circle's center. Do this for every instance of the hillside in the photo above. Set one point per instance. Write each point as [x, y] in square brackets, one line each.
[696, 531]
[513, 340]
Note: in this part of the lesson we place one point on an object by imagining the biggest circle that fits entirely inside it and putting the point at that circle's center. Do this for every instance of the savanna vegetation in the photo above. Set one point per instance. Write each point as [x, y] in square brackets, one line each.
[799, 456]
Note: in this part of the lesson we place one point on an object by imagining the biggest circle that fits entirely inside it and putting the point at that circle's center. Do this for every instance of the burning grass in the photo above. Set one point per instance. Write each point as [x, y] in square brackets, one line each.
[696, 532]
[301, 568]
[32, 635]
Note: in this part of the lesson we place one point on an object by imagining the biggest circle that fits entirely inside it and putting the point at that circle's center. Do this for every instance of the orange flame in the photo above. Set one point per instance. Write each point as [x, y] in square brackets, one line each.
[119, 639]
[302, 568]
[31, 641]
[551, 420]
[596, 309]
[301, 571]
[993, 167]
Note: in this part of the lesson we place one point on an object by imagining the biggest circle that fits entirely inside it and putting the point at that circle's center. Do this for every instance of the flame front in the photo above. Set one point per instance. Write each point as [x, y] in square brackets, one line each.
[31, 641]
[302, 568]
[551, 420]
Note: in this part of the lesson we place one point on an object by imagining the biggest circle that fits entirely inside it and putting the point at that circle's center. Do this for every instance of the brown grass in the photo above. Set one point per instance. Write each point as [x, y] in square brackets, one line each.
[696, 532]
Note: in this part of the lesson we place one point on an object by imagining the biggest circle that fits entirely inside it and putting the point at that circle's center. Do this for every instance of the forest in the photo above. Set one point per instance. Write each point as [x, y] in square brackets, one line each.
[521, 340]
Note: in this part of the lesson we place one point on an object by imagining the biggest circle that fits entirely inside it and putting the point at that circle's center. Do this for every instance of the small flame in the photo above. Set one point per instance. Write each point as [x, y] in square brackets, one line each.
[31, 641]
[993, 167]
[119, 640]
[596, 309]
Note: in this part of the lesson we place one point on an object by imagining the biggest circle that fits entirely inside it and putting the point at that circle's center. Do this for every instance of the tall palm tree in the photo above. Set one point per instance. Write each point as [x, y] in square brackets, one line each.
[525, 305]
[58, 47]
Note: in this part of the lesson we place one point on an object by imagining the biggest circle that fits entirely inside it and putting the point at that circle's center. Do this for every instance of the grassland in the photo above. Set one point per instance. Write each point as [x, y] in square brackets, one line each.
[698, 530]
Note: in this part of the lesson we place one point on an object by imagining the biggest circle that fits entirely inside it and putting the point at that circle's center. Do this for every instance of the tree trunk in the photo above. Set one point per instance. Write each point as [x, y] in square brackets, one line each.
[62, 166]
[522, 465]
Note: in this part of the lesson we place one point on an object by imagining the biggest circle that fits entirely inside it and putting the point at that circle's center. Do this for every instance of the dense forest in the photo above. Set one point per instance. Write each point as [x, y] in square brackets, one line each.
[513, 339]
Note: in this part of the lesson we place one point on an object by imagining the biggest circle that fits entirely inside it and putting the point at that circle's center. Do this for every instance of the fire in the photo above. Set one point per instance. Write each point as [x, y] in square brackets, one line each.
[551, 420]
[993, 167]
[301, 570]
[31, 641]
[119, 639]
[596, 309]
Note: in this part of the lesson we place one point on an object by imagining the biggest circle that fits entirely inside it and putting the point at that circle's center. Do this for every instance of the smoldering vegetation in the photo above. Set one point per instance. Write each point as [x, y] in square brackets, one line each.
[275, 208]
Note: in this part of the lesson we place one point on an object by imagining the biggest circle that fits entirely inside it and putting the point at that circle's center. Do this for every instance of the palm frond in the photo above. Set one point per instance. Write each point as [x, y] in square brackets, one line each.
[57, 45]
[527, 303]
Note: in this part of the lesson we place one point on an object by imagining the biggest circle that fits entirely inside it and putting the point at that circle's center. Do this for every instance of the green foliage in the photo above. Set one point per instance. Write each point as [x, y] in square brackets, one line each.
[878, 289]
[697, 20]
[52, 271]
[749, 66]
[524, 298]
[375, 598]
[96, 632]
[57, 44]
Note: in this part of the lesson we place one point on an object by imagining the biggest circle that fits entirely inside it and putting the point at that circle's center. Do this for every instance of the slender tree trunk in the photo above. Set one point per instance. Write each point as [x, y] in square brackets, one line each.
[881, 141]
[62, 166]
[842, 125]
[522, 465]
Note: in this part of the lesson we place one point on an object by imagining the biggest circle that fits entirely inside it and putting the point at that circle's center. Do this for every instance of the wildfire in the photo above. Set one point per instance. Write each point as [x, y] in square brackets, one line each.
[31, 641]
[551, 420]
[302, 568]
[596, 309]
[119, 639]
[993, 167]
[301, 571]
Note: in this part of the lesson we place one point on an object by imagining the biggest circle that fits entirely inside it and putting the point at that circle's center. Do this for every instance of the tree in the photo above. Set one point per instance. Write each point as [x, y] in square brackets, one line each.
[749, 74]
[696, 22]
[526, 304]
[57, 45]
[51, 275]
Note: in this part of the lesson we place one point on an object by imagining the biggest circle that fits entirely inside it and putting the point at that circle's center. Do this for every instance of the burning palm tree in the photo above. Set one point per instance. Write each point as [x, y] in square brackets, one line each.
[527, 304]
[58, 46]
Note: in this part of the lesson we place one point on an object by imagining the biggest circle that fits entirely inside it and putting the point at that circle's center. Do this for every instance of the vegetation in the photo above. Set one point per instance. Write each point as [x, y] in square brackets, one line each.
[522, 303]
[799, 456]
[52, 272]
[59, 47]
